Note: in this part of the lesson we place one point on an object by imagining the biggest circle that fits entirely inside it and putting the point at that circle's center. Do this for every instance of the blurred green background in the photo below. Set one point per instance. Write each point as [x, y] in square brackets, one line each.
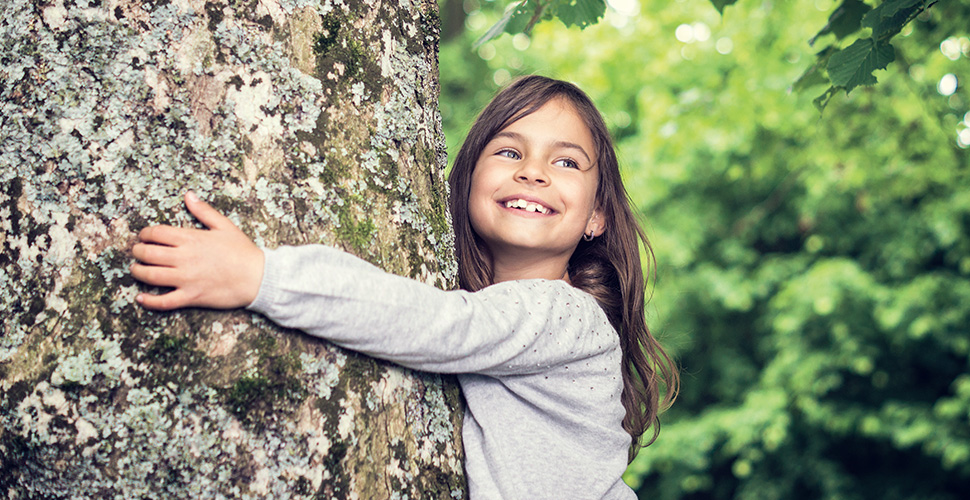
[813, 268]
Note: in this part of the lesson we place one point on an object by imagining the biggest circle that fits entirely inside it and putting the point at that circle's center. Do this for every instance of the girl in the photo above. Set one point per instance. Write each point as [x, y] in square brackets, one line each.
[560, 374]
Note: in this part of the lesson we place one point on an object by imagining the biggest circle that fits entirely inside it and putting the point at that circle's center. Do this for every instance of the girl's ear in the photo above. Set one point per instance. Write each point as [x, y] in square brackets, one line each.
[597, 223]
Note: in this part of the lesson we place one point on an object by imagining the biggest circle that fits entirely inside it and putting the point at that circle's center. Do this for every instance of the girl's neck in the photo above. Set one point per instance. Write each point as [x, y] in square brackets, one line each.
[509, 269]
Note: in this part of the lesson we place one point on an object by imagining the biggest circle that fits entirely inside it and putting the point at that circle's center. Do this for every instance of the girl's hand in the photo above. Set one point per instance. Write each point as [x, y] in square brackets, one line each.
[219, 268]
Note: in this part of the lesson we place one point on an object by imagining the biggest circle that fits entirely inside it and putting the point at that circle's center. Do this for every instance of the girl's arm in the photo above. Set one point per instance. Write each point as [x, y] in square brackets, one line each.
[508, 328]
[515, 327]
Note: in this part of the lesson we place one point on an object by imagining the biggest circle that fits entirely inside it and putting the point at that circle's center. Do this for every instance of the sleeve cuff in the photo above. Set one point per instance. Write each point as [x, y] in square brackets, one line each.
[270, 285]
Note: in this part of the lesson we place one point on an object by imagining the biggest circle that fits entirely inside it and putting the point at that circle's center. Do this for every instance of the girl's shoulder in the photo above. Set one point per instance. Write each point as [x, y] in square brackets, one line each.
[543, 324]
[556, 297]
[538, 286]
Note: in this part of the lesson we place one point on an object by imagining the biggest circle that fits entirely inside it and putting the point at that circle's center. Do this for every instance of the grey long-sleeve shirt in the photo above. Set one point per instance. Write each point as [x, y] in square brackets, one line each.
[537, 361]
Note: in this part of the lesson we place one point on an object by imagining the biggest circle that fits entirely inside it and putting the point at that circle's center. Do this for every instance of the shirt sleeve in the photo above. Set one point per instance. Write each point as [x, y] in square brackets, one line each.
[515, 327]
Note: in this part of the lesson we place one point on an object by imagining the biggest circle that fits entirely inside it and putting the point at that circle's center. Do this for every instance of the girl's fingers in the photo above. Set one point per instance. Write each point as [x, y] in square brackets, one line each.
[175, 236]
[157, 255]
[206, 214]
[165, 302]
[156, 275]
[163, 235]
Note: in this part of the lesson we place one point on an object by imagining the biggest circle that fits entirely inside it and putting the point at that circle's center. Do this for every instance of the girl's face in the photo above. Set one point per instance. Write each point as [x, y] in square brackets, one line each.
[533, 190]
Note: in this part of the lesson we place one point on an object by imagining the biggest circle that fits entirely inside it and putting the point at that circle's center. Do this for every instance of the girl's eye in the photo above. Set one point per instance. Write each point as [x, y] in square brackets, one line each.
[509, 153]
[566, 162]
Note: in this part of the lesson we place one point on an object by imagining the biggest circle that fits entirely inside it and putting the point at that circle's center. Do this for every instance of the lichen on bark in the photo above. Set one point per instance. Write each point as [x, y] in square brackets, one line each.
[109, 111]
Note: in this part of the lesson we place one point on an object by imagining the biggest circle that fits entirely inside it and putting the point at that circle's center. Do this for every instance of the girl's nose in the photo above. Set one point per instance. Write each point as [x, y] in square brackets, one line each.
[531, 172]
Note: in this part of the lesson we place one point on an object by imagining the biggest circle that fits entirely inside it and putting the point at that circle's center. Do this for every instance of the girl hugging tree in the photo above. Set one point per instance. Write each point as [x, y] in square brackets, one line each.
[547, 336]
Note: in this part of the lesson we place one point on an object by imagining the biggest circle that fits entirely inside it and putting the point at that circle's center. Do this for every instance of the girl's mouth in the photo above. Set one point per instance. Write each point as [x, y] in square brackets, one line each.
[528, 206]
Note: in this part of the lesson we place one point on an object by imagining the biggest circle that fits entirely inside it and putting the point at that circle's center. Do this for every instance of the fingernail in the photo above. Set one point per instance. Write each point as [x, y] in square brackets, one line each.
[191, 196]
[139, 298]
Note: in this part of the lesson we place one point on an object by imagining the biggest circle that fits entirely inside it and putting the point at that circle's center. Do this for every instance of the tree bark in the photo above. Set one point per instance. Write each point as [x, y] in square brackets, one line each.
[305, 121]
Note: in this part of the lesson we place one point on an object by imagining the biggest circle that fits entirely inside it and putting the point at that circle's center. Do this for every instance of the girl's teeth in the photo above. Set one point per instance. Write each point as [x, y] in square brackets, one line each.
[527, 206]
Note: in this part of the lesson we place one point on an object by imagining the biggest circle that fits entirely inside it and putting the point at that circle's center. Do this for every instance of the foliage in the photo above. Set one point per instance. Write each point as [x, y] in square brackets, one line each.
[521, 16]
[844, 68]
[854, 65]
[814, 271]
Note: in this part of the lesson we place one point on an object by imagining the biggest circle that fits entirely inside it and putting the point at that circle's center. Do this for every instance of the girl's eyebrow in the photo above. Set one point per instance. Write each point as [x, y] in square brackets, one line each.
[558, 144]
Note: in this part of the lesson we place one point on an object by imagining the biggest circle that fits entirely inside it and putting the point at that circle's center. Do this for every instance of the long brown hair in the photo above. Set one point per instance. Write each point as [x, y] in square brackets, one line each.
[608, 268]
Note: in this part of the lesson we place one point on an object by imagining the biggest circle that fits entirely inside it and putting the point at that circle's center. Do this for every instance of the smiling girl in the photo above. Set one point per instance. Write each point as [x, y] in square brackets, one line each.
[561, 376]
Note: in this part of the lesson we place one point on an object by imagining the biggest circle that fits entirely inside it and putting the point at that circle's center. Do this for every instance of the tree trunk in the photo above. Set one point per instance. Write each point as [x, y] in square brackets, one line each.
[305, 121]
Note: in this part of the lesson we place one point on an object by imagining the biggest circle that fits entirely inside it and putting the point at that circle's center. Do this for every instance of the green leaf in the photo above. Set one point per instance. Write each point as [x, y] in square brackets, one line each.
[822, 101]
[525, 16]
[721, 4]
[814, 75]
[853, 65]
[511, 23]
[580, 13]
[890, 8]
[890, 16]
[845, 20]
